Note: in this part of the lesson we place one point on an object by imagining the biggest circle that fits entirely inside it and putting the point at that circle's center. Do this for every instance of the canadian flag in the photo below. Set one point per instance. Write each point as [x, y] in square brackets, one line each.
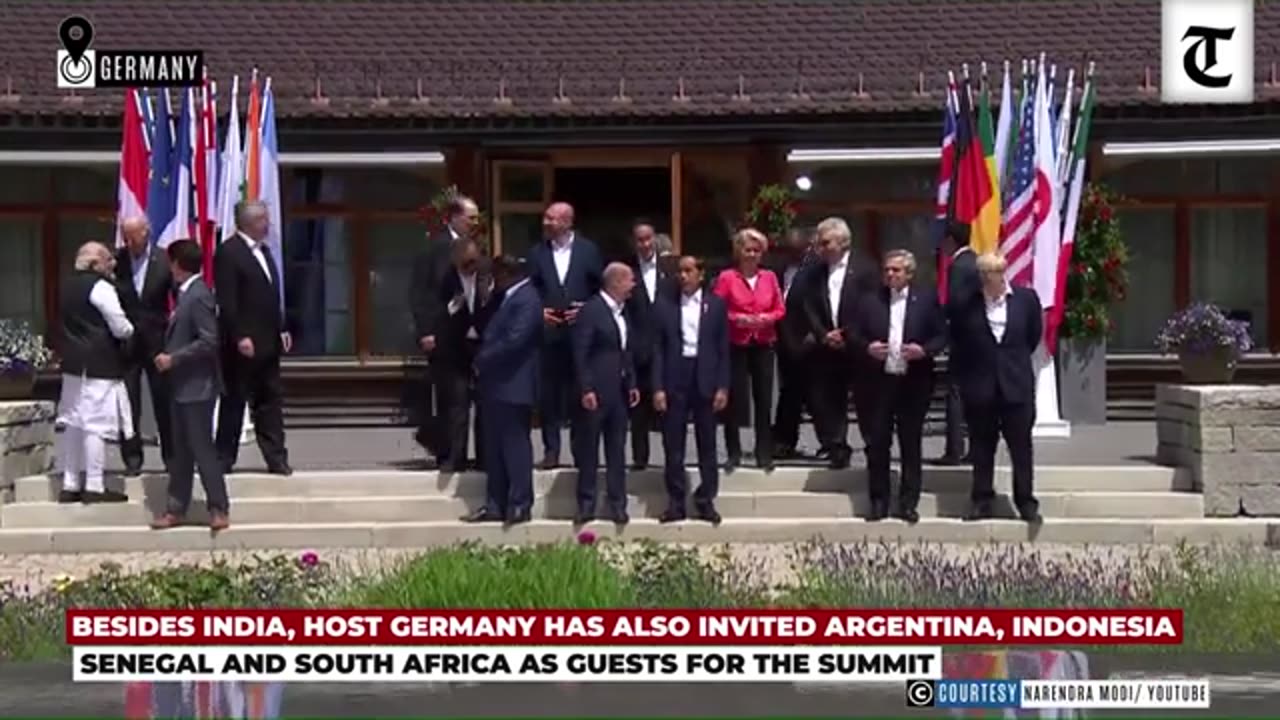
[135, 164]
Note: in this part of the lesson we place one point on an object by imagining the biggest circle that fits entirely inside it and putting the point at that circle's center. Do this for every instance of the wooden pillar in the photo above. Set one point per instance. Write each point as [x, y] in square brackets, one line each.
[766, 165]
[677, 202]
[462, 168]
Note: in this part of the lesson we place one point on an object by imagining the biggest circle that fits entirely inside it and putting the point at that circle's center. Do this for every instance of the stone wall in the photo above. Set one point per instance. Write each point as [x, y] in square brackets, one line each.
[1229, 436]
[26, 442]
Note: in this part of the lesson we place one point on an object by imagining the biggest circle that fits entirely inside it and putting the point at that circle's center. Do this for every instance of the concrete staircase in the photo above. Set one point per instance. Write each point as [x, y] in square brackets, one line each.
[324, 509]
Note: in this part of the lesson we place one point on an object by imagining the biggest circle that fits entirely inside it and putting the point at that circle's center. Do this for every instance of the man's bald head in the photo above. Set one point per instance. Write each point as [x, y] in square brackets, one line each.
[618, 281]
[137, 234]
[557, 221]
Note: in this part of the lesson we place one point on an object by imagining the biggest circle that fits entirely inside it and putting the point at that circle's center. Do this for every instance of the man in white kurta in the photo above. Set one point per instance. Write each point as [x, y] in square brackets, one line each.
[94, 405]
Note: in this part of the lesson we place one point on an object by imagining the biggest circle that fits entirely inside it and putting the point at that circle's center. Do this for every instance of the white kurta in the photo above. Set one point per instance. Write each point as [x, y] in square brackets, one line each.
[97, 405]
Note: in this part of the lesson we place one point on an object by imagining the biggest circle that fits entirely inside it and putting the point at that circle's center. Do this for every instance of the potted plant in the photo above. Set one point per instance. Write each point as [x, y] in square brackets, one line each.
[772, 212]
[22, 355]
[1208, 343]
[1098, 279]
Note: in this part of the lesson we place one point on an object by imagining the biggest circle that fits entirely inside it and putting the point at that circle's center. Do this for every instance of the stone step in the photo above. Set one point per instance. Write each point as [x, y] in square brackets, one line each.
[561, 506]
[401, 483]
[134, 538]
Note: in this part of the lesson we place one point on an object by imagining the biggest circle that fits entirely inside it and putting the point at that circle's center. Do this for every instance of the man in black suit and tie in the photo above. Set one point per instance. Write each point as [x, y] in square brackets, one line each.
[691, 378]
[464, 292]
[606, 382]
[254, 337]
[144, 286]
[428, 308]
[507, 379]
[653, 281]
[190, 362]
[994, 335]
[835, 289]
[566, 271]
[795, 341]
[901, 329]
[963, 283]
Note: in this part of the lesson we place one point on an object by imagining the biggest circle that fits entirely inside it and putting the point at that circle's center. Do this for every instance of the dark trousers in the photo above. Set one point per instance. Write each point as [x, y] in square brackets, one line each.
[454, 393]
[1013, 421]
[255, 381]
[193, 448]
[955, 422]
[558, 405]
[899, 403]
[793, 394]
[428, 434]
[829, 399]
[684, 401]
[508, 458]
[131, 447]
[642, 417]
[751, 378]
[608, 422]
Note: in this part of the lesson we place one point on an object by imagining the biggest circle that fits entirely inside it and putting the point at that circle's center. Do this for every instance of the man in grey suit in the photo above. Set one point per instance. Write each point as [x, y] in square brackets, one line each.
[190, 360]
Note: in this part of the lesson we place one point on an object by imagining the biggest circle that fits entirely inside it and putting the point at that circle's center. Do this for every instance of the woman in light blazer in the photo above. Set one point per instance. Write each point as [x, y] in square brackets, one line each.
[755, 305]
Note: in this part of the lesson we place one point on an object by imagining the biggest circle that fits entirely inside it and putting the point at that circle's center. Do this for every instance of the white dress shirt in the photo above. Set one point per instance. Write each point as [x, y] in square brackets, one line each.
[255, 247]
[835, 286]
[140, 265]
[469, 298]
[751, 281]
[894, 364]
[690, 323]
[649, 276]
[511, 290]
[618, 320]
[182, 289]
[998, 314]
[561, 253]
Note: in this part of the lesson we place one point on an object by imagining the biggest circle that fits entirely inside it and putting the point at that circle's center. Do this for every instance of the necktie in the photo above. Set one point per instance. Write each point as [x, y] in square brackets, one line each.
[266, 255]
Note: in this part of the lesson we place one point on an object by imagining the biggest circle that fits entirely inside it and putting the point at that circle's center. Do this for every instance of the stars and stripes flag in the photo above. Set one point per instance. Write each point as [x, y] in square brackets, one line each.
[1018, 231]
[135, 160]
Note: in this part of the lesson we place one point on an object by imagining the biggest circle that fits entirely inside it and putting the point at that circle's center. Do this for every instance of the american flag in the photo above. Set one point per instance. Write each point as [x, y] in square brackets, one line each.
[1019, 225]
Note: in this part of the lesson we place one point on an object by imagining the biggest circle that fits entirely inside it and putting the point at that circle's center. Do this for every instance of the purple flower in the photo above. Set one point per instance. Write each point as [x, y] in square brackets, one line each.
[309, 559]
[586, 537]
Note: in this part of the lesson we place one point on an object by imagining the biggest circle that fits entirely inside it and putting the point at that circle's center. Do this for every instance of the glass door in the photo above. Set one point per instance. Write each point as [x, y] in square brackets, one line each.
[521, 192]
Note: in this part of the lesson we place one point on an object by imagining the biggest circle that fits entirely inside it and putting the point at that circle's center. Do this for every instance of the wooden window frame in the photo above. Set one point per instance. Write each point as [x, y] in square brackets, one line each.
[502, 207]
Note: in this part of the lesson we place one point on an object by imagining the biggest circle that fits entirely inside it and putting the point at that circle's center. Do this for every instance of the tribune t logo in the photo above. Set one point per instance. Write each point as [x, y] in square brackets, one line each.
[1208, 53]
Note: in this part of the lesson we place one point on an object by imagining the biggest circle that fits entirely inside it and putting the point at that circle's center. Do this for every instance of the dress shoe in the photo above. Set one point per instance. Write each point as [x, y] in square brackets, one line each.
[841, 458]
[483, 515]
[732, 463]
[1030, 514]
[549, 462]
[166, 521]
[67, 497]
[908, 515]
[282, 470]
[619, 517]
[767, 466]
[640, 466]
[219, 521]
[518, 517]
[584, 516]
[708, 513]
[671, 515]
[879, 510]
[946, 461]
[980, 511]
[106, 496]
[132, 471]
[785, 453]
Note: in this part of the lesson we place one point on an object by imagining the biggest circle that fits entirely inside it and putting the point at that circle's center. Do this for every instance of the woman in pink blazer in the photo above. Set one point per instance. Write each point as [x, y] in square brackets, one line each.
[755, 305]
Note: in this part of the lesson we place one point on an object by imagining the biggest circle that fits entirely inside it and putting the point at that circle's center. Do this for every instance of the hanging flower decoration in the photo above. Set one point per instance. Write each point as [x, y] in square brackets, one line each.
[1099, 277]
[436, 214]
[772, 212]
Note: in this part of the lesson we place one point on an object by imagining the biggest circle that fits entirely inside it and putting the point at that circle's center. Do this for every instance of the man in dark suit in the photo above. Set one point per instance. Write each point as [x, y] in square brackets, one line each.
[565, 269]
[994, 335]
[428, 307]
[464, 292]
[190, 361]
[691, 377]
[507, 379]
[653, 281]
[145, 286]
[835, 289]
[963, 284]
[254, 337]
[796, 260]
[901, 329]
[606, 382]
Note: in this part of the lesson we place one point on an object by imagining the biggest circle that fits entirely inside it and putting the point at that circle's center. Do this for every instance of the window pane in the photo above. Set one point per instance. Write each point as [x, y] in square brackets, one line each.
[318, 293]
[384, 188]
[393, 245]
[88, 185]
[521, 183]
[915, 232]
[1149, 233]
[21, 273]
[1189, 176]
[76, 230]
[1229, 263]
[19, 185]
[841, 184]
[520, 232]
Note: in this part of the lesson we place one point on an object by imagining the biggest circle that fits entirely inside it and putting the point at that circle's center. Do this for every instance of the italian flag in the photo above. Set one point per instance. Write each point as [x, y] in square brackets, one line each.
[1079, 158]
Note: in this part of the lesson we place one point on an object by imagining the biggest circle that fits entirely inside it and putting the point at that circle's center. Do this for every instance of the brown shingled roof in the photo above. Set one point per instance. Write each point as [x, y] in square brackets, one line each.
[585, 58]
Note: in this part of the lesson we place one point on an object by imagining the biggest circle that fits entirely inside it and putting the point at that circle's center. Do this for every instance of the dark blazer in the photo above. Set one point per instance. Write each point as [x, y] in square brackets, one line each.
[713, 346]
[148, 310]
[963, 280]
[640, 310]
[981, 365]
[580, 283]
[192, 342]
[451, 330]
[248, 300]
[860, 280]
[508, 364]
[601, 364]
[429, 270]
[924, 325]
[795, 336]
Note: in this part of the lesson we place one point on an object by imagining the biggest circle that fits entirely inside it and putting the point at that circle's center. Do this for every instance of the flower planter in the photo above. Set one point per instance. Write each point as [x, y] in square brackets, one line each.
[1082, 380]
[1215, 367]
[17, 385]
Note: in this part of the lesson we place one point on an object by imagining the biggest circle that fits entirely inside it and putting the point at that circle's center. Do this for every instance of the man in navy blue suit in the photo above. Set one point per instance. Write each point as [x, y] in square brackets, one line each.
[993, 337]
[507, 378]
[606, 381]
[566, 272]
[691, 377]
